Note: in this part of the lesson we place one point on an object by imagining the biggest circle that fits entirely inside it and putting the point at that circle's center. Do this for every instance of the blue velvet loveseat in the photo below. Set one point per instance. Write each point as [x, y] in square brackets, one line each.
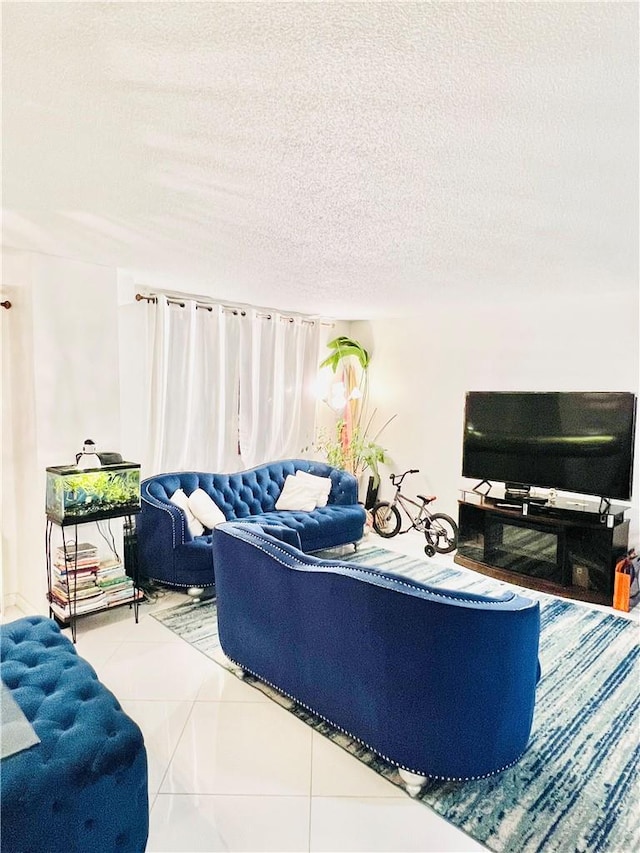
[82, 783]
[439, 683]
[170, 554]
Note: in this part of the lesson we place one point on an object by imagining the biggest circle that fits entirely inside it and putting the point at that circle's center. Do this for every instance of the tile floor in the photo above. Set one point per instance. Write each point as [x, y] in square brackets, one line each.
[230, 770]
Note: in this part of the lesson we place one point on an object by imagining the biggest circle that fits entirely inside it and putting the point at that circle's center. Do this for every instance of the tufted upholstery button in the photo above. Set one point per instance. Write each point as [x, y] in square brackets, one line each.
[67, 723]
[85, 693]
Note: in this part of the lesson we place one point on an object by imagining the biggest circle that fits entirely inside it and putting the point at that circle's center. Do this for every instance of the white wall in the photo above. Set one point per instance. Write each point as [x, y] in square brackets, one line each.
[63, 354]
[18, 404]
[134, 351]
[422, 367]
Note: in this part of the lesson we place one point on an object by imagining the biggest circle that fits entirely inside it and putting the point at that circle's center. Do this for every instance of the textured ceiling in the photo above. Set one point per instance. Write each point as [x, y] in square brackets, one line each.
[349, 159]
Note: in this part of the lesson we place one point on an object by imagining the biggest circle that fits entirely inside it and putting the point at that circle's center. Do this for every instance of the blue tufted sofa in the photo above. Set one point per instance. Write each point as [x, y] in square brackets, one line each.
[170, 555]
[439, 683]
[84, 786]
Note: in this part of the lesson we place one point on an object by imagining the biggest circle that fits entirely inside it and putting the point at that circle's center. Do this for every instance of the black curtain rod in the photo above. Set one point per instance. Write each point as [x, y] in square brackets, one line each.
[173, 300]
[204, 305]
[6, 304]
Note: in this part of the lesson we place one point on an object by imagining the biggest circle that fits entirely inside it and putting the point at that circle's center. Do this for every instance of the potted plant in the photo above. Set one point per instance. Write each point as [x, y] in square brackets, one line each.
[359, 454]
[349, 445]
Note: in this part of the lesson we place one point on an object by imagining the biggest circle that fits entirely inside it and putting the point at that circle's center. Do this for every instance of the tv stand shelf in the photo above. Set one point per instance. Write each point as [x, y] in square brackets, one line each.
[556, 549]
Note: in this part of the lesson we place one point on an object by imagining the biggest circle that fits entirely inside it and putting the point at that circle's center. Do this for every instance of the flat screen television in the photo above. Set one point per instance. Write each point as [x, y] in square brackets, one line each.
[572, 441]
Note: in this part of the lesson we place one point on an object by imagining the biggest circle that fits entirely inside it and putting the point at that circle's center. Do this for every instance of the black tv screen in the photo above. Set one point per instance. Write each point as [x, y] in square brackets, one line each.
[568, 440]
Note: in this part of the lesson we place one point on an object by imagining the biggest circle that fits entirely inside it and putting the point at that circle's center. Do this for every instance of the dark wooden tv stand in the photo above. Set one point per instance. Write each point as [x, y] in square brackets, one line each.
[568, 549]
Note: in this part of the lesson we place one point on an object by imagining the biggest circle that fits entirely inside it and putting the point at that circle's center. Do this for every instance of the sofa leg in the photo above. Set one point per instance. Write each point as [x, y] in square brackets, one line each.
[231, 665]
[413, 782]
[238, 671]
[195, 592]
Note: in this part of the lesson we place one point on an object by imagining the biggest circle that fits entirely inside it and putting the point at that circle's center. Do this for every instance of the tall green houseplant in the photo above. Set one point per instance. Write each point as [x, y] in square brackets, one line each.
[350, 447]
[342, 348]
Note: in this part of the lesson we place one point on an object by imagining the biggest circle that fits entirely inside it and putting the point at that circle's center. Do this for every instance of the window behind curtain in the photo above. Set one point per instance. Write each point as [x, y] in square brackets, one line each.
[228, 391]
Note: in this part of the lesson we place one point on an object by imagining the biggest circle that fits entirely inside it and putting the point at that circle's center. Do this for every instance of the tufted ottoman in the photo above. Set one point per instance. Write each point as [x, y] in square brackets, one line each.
[84, 786]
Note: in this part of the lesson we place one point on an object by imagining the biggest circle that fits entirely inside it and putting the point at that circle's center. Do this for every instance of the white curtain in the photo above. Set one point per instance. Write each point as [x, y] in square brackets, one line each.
[278, 367]
[193, 411]
[228, 391]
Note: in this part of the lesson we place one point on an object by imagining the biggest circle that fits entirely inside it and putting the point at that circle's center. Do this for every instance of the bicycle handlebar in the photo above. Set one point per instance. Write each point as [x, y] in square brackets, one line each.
[397, 479]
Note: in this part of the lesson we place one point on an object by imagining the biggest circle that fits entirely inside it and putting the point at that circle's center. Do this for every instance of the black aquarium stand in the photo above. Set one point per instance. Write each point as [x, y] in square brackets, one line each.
[569, 549]
[68, 616]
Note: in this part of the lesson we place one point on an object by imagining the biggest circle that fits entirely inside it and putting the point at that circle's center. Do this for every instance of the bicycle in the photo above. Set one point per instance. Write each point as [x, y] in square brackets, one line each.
[440, 530]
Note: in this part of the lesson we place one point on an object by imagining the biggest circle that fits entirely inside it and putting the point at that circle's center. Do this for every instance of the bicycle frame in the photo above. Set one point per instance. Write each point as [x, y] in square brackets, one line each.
[420, 520]
[440, 530]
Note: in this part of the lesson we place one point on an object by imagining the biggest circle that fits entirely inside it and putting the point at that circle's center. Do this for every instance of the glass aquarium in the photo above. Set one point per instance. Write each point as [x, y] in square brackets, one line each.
[75, 496]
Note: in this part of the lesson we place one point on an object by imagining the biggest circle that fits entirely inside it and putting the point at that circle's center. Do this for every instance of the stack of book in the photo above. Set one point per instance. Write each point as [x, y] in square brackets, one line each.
[114, 583]
[74, 590]
[81, 583]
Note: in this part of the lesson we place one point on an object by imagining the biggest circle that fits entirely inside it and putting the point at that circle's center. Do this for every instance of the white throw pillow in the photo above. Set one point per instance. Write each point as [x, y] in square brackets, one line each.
[180, 499]
[296, 494]
[205, 509]
[320, 485]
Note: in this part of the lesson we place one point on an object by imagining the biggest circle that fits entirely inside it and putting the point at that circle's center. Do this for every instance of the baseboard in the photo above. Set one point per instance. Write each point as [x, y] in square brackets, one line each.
[14, 599]
[8, 600]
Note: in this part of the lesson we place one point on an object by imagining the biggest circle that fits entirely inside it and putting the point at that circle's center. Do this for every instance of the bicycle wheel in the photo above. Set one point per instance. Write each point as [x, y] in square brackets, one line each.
[442, 533]
[386, 519]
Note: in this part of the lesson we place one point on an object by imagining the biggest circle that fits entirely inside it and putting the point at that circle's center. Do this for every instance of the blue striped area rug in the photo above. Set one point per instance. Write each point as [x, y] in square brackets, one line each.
[575, 790]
